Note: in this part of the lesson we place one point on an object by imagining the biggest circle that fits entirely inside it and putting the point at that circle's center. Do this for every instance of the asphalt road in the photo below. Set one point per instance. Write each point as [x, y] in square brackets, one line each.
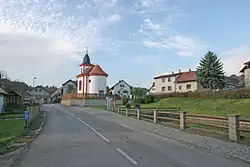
[73, 137]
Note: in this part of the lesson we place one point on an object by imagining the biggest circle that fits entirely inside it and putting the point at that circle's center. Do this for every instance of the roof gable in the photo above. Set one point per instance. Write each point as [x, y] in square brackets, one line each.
[70, 80]
[187, 77]
[2, 91]
[166, 75]
[19, 88]
[120, 81]
[97, 70]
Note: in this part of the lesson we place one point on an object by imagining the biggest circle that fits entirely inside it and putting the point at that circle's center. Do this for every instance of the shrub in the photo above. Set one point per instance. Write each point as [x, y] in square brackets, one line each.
[124, 100]
[149, 99]
[128, 105]
[221, 94]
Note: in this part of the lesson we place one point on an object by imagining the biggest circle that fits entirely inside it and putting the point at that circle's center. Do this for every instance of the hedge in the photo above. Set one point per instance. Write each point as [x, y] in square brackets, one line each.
[221, 94]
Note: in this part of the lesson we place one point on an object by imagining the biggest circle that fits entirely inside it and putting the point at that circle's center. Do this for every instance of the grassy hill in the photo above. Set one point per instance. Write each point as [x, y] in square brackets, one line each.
[218, 107]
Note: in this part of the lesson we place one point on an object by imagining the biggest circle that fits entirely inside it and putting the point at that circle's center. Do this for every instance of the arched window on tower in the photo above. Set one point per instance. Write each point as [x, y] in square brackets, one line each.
[80, 85]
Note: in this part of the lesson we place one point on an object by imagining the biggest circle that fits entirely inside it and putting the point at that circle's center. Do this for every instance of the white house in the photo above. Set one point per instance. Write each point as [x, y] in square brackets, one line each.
[246, 71]
[39, 94]
[68, 85]
[121, 88]
[176, 82]
[92, 79]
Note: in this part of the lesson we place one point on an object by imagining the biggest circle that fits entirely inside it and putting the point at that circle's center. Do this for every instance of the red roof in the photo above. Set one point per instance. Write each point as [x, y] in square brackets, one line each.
[87, 70]
[86, 65]
[187, 77]
[97, 71]
[93, 71]
[167, 75]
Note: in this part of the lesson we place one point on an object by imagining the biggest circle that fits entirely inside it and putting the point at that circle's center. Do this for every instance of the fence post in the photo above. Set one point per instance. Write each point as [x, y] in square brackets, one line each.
[126, 112]
[118, 110]
[138, 113]
[155, 116]
[233, 125]
[182, 120]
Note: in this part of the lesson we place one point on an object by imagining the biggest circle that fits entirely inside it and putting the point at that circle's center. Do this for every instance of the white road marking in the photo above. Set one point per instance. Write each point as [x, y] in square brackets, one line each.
[127, 156]
[99, 134]
[126, 126]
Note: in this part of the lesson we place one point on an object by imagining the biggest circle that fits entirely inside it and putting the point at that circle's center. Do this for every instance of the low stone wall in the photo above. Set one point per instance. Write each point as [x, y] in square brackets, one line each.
[84, 102]
[66, 102]
[73, 102]
[94, 102]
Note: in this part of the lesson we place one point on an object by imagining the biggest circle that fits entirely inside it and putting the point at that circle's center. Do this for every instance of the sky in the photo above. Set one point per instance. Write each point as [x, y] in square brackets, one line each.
[132, 40]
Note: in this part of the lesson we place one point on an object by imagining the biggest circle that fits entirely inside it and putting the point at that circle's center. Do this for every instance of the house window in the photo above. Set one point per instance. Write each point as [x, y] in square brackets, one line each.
[169, 79]
[163, 88]
[163, 80]
[188, 86]
[90, 81]
[180, 87]
[169, 88]
[40, 90]
[101, 92]
[121, 85]
[36, 90]
[80, 85]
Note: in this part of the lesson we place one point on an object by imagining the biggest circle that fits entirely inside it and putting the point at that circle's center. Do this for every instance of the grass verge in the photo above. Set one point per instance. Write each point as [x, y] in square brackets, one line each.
[13, 133]
[216, 107]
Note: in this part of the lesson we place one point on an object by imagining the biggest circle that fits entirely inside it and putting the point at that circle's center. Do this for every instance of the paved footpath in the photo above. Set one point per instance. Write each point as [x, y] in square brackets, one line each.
[81, 137]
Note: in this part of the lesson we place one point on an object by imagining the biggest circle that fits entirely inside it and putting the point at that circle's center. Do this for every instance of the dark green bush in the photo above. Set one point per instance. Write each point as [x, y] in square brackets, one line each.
[221, 94]
[149, 99]
[124, 100]
[128, 105]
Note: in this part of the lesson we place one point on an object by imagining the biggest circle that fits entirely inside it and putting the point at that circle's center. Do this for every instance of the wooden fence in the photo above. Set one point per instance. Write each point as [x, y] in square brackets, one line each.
[34, 112]
[231, 124]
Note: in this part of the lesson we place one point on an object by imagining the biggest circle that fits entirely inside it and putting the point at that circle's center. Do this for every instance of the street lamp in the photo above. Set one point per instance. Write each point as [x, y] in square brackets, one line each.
[34, 81]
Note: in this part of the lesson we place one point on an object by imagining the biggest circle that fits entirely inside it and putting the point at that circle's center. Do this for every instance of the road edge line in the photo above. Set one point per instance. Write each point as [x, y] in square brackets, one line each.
[91, 128]
[130, 159]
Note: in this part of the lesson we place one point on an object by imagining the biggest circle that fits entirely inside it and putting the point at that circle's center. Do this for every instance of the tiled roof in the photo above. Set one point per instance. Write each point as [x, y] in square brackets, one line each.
[18, 87]
[70, 80]
[167, 75]
[97, 70]
[87, 70]
[2, 91]
[94, 71]
[187, 77]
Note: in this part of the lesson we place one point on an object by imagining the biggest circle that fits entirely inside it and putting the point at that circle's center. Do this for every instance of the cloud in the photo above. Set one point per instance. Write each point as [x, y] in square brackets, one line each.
[114, 17]
[154, 44]
[160, 34]
[40, 37]
[186, 46]
[235, 58]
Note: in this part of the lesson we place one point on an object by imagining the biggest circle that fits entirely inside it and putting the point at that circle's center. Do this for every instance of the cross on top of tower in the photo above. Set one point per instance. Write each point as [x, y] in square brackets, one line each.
[86, 59]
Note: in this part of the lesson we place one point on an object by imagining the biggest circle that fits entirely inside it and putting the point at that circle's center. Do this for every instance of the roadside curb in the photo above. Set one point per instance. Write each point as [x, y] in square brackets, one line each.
[16, 155]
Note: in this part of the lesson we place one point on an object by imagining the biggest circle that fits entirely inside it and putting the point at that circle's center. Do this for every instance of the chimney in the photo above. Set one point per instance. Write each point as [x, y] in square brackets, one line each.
[172, 72]
[179, 70]
[189, 70]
